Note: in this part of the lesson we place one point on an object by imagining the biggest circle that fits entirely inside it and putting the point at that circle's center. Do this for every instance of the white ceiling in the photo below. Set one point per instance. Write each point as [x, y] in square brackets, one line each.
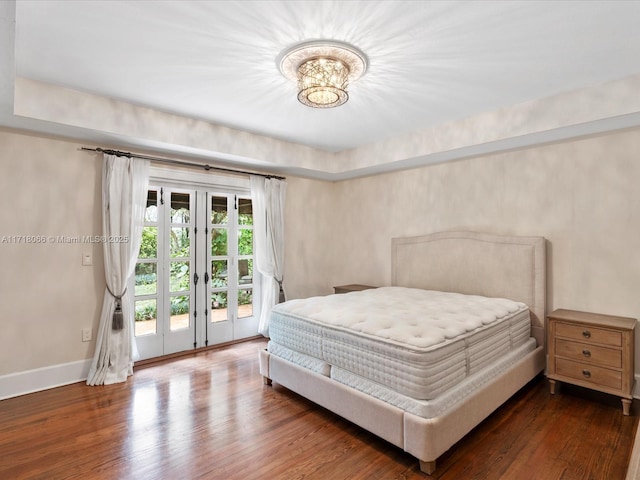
[431, 62]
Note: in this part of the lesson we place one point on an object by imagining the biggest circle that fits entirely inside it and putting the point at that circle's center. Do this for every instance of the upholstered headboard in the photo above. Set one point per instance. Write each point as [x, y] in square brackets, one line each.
[476, 263]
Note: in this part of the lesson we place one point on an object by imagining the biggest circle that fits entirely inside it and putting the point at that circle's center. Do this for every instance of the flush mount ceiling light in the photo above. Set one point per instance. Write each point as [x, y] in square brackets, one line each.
[323, 70]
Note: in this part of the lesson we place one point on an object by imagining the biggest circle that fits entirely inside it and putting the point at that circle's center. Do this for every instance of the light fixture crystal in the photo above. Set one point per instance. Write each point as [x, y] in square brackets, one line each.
[323, 70]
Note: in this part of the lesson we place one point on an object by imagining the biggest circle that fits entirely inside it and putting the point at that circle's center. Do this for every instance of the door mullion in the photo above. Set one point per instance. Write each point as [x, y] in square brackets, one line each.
[233, 260]
[200, 267]
[165, 228]
[194, 266]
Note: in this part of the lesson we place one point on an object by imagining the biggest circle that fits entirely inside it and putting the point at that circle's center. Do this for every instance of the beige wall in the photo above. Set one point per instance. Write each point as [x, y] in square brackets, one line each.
[583, 196]
[312, 214]
[47, 188]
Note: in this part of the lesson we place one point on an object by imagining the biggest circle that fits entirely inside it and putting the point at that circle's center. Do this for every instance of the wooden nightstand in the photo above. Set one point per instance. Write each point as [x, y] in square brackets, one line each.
[351, 288]
[593, 351]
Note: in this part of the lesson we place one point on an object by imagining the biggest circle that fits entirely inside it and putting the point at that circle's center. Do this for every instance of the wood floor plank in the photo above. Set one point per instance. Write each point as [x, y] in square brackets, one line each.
[209, 416]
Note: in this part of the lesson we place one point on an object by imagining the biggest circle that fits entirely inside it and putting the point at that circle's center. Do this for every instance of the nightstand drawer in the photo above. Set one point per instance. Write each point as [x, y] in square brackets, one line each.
[605, 357]
[589, 373]
[589, 334]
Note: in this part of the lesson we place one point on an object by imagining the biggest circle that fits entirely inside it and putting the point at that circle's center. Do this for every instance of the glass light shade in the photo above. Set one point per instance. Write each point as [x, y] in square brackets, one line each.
[322, 82]
[322, 69]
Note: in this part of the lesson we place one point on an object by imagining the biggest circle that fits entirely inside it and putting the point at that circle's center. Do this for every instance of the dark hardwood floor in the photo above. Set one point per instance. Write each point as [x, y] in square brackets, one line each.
[208, 416]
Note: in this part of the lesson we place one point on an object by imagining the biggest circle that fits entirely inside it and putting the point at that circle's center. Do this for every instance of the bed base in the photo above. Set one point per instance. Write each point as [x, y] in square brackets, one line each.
[425, 439]
[473, 263]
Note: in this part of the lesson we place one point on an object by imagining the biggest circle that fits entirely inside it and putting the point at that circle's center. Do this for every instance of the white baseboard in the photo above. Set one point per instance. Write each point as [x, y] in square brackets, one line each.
[21, 383]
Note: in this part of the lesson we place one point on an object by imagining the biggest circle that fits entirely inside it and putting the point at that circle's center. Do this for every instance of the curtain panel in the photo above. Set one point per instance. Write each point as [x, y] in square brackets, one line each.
[268, 198]
[124, 194]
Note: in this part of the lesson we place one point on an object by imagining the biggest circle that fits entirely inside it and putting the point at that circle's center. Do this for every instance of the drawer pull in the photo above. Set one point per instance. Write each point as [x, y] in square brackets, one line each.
[586, 373]
[586, 334]
[586, 353]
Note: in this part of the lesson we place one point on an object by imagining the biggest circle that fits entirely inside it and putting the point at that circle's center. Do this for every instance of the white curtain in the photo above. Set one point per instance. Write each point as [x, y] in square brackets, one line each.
[268, 196]
[124, 194]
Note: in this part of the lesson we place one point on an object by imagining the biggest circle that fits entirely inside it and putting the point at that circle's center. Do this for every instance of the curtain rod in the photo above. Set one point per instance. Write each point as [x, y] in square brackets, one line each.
[118, 153]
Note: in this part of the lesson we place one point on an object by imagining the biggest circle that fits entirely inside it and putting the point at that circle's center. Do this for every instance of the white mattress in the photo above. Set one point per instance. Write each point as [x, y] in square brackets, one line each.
[418, 343]
[439, 405]
[422, 408]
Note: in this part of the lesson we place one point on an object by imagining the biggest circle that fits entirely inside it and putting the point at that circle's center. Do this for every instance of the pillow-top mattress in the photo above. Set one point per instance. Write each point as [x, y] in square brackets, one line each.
[419, 343]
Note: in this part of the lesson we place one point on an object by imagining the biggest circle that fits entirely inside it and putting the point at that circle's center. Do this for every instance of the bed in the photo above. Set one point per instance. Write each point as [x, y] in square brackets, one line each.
[366, 361]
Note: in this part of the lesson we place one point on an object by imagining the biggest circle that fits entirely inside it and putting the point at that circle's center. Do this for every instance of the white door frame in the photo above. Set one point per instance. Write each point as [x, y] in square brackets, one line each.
[200, 186]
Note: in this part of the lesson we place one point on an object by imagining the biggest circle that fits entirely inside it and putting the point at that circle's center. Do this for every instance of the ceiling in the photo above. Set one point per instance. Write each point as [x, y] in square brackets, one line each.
[210, 67]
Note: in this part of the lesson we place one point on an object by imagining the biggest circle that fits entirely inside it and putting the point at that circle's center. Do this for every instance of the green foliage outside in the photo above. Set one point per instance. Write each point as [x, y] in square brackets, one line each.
[245, 241]
[179, 245]
[149, 244]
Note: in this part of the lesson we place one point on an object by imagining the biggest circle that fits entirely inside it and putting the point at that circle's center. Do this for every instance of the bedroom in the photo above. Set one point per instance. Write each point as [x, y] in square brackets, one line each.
[578, 192]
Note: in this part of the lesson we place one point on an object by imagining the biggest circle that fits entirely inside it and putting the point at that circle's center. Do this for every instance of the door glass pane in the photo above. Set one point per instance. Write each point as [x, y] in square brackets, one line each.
[219, 274]
[245, 211]
[245, 303]
[151, 212]
[245, 271]
[219, 241]
[146, 279]
[145, 317]
[179, 242]
[179, 277]
[219, 215]
[149, 244]
[180, 208]
[219, 306]
[179, 312]
[245, 241]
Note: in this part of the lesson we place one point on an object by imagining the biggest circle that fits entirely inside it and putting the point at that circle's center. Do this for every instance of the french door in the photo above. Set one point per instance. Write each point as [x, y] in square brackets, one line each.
[194, 280]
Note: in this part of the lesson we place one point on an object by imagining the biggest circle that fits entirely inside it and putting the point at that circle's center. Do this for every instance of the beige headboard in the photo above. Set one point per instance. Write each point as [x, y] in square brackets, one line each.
[475, 263]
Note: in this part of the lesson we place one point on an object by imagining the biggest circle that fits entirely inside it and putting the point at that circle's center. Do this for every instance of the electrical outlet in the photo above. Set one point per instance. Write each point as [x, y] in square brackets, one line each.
[86, 334]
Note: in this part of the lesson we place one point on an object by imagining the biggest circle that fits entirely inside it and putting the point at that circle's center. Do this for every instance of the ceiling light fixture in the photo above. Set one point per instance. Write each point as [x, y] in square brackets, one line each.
[323, 70]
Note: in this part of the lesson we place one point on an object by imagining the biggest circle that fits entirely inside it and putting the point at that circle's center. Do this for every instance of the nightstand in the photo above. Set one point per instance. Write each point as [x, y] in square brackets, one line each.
[593, 351]
[351, 288]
